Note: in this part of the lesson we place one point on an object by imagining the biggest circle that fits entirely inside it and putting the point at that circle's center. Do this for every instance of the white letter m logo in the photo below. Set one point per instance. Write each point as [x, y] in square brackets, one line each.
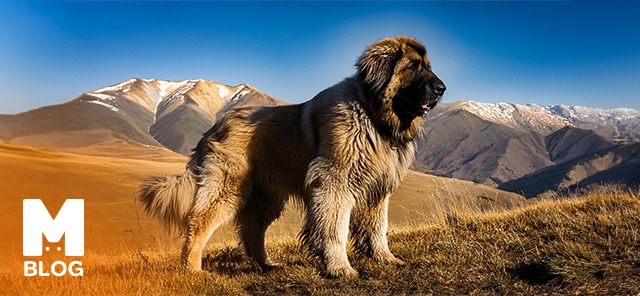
[37, 221]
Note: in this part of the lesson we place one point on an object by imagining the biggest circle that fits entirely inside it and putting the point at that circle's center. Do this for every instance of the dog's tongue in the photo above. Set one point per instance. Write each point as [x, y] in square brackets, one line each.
[426, 107]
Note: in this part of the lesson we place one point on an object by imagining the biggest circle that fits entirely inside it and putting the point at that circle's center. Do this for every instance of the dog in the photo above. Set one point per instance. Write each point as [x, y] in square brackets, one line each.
[341, 155]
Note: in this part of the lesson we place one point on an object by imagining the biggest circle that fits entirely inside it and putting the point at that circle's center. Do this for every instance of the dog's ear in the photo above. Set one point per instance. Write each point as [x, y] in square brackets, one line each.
[377, 64]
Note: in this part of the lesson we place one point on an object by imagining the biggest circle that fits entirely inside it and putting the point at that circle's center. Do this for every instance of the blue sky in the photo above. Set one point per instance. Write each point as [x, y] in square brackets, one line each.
[572, 52]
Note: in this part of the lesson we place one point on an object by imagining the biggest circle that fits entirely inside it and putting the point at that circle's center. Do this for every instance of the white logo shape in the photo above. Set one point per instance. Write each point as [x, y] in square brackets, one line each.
[37, 221]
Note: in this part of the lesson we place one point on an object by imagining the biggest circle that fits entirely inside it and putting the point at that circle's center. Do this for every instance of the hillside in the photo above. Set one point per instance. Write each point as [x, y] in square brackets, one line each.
[569, 143]
[508, 159]
[613, 165]
[107, 183]
[583, 245]
[77, 123]
[453, 138]
[108, 176]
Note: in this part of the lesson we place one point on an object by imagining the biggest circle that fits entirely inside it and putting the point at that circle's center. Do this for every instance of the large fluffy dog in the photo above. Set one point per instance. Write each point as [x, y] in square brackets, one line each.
[342, 154]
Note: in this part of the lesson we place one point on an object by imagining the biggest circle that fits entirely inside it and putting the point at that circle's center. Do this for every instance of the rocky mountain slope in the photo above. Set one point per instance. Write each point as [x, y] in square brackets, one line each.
[493, 143]
[173, 114]
[520, 117]
[616, 164]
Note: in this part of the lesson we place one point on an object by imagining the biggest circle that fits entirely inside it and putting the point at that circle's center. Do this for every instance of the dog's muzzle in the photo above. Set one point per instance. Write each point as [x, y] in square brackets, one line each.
[439, 90]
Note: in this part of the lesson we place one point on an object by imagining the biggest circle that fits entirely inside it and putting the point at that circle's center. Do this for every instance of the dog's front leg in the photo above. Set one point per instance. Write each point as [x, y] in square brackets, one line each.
[370, 224]
[326, 229]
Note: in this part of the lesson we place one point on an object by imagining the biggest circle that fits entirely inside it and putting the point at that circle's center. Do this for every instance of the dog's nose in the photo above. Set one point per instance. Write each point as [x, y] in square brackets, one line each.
[440, 88]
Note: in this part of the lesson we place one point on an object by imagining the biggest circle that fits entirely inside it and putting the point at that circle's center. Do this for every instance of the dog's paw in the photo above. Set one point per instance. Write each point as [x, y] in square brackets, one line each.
[390, 258]
[186, 269]
[269, 267]
[396, 261]
[343, 272]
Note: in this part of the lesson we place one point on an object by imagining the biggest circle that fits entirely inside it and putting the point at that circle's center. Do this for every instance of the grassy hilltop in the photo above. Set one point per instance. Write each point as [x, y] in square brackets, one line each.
[581, 245]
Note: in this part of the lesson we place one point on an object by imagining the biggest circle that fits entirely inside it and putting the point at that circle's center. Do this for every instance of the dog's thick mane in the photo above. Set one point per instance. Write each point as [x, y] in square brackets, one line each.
[376, 68]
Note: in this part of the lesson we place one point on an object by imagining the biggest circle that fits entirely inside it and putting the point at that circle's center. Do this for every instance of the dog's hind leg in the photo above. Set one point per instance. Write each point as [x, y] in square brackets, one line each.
[202, 225]
[216, 202]
[252, 220]
[199, 230]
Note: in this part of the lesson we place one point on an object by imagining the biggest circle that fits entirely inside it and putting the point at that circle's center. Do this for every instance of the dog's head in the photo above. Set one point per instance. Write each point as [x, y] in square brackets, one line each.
[396, 78]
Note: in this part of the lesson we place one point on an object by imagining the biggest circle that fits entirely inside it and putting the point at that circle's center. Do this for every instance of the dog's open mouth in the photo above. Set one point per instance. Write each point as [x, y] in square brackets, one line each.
[428, 107]
[415, 107]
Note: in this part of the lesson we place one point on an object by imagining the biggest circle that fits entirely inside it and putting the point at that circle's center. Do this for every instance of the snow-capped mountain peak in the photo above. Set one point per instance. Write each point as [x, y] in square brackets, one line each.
[501, 112]
[122, 86]
[173, 113]
[152, 93]
[517, 116]
[619, 124]
[578, 114]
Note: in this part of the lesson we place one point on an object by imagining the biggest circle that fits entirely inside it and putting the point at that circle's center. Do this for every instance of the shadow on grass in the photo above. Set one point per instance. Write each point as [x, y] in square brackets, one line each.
[229, 262]
[535, 273]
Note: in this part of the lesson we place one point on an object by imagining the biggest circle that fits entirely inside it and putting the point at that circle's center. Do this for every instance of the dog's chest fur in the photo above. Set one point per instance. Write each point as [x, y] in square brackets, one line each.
[372, 162]
[385, 166]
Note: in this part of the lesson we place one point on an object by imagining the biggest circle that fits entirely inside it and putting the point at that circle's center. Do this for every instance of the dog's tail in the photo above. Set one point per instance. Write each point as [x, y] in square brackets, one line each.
[169, 198]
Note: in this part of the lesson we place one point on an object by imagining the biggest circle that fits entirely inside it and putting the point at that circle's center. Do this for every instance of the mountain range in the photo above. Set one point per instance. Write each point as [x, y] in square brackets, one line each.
[522, 148]
[495, 143]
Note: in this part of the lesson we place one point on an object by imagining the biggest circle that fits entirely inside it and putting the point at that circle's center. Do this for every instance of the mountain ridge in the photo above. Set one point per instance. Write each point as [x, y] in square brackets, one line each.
[172, 114]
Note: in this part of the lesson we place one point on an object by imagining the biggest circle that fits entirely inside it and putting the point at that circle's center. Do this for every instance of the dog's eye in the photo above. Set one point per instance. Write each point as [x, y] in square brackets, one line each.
[413, 66]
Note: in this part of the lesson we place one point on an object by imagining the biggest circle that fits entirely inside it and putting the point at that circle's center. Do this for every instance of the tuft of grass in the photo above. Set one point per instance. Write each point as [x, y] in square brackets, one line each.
[581, 245]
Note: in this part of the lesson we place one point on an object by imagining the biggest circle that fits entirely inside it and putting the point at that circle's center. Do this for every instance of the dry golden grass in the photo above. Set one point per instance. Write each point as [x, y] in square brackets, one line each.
[581, 245]
[106, 183]
[454, 235]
